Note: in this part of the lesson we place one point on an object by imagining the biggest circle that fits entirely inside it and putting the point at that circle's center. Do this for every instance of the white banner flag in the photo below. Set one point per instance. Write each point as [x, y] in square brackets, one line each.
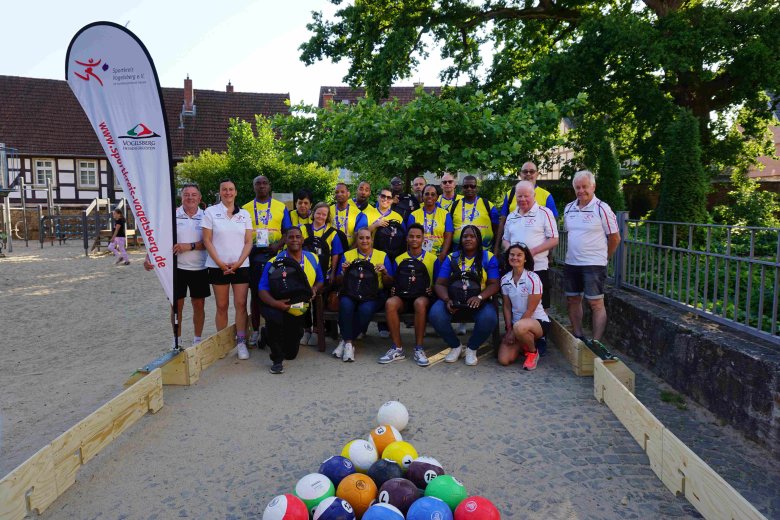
[113, 77]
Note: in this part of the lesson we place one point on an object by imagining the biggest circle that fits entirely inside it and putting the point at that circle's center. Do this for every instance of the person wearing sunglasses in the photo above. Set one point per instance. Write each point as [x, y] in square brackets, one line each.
[448, 195]
[473, 210]
[436, 222]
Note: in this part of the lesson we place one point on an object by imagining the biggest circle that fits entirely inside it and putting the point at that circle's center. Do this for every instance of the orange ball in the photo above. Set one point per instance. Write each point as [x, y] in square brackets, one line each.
[382, 436]
[359, 490]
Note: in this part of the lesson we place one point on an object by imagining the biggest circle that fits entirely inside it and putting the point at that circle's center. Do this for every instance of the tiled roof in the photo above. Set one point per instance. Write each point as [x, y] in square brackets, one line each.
[43, 117]
[344, 94]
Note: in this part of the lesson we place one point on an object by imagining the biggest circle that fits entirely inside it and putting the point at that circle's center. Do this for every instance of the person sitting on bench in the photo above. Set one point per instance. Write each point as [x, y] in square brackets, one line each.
[526, 321]
[364, 273]
[467, 279]
[411, 291]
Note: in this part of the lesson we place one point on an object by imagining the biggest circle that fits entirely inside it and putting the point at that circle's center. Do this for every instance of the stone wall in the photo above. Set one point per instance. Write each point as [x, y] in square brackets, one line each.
[734, 375]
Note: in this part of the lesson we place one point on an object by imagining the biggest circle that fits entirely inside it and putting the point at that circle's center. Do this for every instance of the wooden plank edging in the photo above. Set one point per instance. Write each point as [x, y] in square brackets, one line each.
[678, 467]
[36, 483]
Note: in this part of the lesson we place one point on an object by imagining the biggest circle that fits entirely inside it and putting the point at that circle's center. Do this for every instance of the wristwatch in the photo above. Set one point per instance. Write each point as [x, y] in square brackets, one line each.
[192, 245]
[480, 297]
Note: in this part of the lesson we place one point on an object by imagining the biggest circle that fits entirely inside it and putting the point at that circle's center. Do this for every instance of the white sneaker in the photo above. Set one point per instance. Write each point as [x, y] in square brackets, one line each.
[242, 351]
[461, 329]
[420, 358]
[349, 353]
[471, 357]
[338, 352]
[454, 354]
[305, 338]
[312, 339]
[384, 334]
[196, 341]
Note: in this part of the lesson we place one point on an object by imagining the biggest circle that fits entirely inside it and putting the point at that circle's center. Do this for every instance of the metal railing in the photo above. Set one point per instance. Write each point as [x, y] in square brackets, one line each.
[729, 274]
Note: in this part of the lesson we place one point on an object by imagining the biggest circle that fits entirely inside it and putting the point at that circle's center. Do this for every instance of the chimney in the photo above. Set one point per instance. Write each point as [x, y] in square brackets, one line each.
[229, 87]
[188, 95]
[418, 84]
[327, 97]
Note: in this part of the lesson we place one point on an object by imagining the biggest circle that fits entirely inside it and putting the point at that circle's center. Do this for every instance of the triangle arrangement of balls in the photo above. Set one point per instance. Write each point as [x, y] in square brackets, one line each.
[381, 478]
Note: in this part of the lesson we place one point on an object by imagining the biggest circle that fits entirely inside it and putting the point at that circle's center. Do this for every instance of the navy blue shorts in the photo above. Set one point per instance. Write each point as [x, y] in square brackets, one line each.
[584, 279]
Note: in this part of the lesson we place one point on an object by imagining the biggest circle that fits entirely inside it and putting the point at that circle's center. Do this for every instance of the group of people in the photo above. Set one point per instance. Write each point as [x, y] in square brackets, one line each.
[443, 256]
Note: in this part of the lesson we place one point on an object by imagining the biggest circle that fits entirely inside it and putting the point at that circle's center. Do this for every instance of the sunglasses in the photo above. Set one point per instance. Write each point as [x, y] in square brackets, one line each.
[527, 171]
[469, 186]
[383, 196]
[447, 182]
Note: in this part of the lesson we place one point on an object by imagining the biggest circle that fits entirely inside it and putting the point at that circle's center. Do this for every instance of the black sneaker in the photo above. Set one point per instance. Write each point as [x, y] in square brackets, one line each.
[277, 368]
[541, 346]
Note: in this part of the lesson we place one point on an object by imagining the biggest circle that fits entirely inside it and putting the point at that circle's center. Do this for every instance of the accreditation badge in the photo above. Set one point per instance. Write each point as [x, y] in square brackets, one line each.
[427, 245]
[261, 237]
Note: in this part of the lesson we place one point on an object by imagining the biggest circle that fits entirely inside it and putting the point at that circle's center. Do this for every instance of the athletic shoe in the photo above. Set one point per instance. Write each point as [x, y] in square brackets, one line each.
[349, 353]
[420, 358]
[454, 354]
[127, 262]
[471, 357]
[384, 334]
[305, 338]
[541, 346]
[338, 352]
[531, 360]
[461, 329]
[394, 354]
[196, 341]
[277, 368]
[312, 339]
[254, 338]
[242, 351]
[118, 261]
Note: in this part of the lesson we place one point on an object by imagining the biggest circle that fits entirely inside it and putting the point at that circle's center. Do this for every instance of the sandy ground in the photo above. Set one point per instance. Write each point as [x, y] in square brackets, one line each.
[537, 444]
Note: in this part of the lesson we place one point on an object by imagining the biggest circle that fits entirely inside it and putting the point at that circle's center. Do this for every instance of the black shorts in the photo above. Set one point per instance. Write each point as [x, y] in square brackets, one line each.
[544, 276]
[409, 303]
[217, 277]
[545, 327]
[584, 279]
[196, 281]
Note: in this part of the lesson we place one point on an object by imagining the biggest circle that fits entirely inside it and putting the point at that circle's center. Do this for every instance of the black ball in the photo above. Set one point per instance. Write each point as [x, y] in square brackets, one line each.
[399, 492]
[383, 470]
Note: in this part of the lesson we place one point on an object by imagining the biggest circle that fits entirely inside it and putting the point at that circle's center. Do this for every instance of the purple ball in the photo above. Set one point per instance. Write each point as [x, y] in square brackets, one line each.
[422, 470]
[400, 493]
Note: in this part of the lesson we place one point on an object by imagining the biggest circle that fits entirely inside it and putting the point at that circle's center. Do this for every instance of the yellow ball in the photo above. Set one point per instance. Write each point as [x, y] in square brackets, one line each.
[400, 452]
[382, 436]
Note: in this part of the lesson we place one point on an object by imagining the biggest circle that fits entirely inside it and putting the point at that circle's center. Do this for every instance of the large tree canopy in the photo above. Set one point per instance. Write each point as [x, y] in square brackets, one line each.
[639, 62]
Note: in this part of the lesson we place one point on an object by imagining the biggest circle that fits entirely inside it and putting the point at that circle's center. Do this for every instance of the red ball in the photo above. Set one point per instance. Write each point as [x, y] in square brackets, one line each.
[477, 508]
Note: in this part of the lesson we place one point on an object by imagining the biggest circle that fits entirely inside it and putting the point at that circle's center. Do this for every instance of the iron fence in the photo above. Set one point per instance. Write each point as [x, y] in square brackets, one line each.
[729, 274]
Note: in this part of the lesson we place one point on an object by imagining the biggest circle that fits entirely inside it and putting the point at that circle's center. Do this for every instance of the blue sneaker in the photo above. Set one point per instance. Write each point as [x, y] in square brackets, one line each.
[420, 358]
[394, 354]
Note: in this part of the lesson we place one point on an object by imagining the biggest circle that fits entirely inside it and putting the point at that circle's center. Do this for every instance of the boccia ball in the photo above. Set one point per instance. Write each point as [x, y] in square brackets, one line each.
[382, 436]
[394, 414]
[447, 488]
[383, 470]
[286, 507]
[399, 492]
[334, 508]
[429, 508]
[336, 468]
[361, 453]
[400, 452]
[313, 489]
[383, 512]
[422, 470]
[359, 490]
[477, 508]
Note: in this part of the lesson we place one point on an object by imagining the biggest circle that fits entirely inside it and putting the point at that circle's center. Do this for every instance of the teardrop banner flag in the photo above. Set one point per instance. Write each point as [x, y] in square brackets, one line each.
[113, 77]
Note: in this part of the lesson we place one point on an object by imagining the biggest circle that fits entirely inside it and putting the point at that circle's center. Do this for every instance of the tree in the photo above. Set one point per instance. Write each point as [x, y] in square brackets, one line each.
[248, 155]
[431, 133]
[638, 61]
[608, 178]
[684, 183]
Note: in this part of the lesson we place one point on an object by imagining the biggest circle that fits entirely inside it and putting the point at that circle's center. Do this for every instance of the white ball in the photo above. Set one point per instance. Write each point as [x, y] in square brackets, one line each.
[393, 413]
[362, 454]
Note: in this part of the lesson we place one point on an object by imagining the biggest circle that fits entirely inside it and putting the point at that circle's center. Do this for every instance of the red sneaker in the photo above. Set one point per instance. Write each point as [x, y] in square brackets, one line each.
[531, 360]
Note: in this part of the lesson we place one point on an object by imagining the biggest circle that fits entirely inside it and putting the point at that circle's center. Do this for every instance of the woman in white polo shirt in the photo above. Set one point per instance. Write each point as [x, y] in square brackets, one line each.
[524, 315]
[227, 235]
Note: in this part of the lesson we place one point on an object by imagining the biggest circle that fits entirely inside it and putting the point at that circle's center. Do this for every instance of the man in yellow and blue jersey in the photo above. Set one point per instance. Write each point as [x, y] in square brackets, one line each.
[347, 217]
[473, 210]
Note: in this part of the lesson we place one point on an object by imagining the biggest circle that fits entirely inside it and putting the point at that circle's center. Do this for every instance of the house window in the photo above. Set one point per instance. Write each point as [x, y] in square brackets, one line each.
[87, 174]
[43, 169]
[117, 185]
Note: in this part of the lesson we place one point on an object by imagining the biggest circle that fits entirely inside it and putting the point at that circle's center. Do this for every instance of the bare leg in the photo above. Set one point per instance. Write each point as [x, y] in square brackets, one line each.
[240, 291]
[599, 316]
[198, 315]
[222, 297]
[394, 306]
[420, 318]
[575, 313]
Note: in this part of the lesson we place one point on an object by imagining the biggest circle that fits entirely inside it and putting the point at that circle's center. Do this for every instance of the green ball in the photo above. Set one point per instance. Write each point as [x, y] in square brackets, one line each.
[313, 489]
[447, 488]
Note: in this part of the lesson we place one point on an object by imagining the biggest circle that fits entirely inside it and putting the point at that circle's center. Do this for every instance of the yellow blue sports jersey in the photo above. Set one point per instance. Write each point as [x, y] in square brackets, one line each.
[297, 221]
[489, 266]
[334, 243]
[376, 257]
[435, 225]
[373, 214]
[481, 214]
[428, 259]
[271, 216]
[348, 220]
[445, 204]
[311, 269]
[541, 196]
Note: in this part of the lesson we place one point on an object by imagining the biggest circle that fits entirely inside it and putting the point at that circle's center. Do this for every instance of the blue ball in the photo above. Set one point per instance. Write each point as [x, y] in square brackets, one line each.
[336, 468]
[334, 508]
[429, 508]
[383, 512]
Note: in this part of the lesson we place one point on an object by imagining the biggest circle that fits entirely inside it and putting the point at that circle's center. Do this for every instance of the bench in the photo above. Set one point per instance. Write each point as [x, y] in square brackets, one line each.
[324, 315]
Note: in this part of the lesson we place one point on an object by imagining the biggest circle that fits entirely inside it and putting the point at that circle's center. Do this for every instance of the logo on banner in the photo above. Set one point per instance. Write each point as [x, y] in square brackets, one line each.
[89, 70]
[140, 131]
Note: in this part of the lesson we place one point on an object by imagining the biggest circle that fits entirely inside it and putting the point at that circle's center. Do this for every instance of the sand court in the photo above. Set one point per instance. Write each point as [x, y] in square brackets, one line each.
[537, 444]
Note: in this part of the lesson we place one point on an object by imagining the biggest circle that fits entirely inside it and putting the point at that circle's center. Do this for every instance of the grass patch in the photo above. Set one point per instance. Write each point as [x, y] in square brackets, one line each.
[674, 398]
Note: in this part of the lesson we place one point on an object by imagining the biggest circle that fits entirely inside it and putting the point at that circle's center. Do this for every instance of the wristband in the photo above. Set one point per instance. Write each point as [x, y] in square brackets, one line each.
[480, 297]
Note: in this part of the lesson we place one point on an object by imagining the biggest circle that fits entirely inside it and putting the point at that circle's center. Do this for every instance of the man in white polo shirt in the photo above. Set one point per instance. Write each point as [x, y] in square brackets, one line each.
[593, 237]
[191, 273]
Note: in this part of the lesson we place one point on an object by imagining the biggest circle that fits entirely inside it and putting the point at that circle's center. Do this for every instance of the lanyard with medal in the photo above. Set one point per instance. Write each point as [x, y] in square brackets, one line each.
[338, 219]
[463, 211]
[261, 235]
[365, 257]
[428, 241]
[463, 269]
